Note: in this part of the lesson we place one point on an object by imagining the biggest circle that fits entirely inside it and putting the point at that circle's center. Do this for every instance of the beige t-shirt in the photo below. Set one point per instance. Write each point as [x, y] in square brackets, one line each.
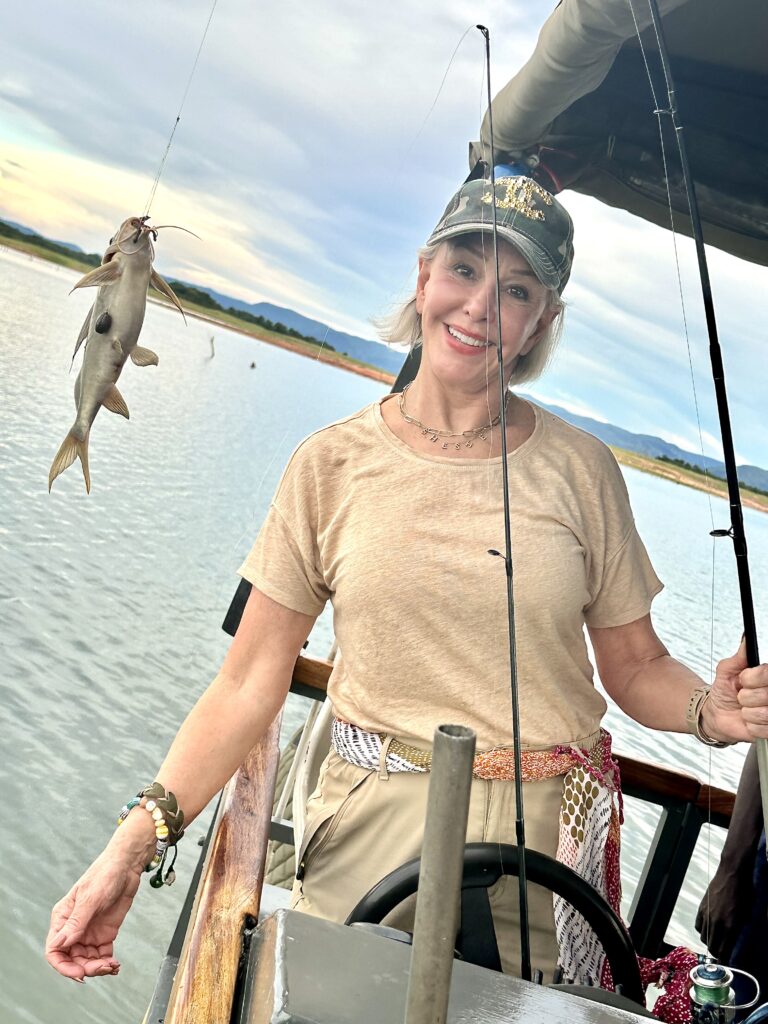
[398, 542]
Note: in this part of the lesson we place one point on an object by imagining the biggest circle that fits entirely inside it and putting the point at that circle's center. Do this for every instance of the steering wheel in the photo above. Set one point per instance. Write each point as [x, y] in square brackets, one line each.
[484, 864]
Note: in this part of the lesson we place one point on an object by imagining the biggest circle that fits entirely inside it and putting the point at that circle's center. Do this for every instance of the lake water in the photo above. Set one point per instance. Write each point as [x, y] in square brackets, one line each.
[112, 603]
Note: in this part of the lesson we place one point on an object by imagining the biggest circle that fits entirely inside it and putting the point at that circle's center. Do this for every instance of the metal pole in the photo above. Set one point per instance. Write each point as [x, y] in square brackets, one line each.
[442, 858]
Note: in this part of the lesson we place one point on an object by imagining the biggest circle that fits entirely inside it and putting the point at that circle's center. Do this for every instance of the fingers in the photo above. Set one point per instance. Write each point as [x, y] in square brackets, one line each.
[95, 961]
[738, 661]
[754, 680]
[71, 931]
[81, 961]
[78, 968]
[753, 700]
[60, 915]
[61, 962]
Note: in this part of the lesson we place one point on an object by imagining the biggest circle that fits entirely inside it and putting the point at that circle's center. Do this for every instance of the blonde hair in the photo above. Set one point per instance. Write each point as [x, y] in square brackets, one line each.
[403, 324]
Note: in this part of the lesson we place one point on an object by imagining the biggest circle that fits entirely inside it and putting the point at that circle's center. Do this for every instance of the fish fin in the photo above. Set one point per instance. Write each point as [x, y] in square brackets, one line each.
[71, 449]
[115, 402]
[162, 286]
[107, 273]
[144, 356]
[83, 334]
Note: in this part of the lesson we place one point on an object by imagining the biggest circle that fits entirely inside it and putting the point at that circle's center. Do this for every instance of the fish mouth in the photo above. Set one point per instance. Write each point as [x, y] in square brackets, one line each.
[140, 223]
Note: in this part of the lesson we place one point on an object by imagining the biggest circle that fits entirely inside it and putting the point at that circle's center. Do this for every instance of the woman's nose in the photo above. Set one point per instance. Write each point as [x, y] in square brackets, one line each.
[480, 302]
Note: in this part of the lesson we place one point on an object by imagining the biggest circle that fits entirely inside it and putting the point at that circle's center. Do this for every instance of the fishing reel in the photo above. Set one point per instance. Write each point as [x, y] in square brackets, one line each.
[713, 1000]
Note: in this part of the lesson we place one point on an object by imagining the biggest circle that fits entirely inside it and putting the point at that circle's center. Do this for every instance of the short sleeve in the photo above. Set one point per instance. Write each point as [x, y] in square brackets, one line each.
[621, 581]
[284, 562]
[628, 586]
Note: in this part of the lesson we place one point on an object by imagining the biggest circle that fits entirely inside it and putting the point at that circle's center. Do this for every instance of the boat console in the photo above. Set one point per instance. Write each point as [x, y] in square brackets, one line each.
[304, 970]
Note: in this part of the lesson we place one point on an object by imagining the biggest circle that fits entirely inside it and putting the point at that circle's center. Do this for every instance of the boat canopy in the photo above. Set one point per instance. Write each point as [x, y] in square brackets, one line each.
[581, 113]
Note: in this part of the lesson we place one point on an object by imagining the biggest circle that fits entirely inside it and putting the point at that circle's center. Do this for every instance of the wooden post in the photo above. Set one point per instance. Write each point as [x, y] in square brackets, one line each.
[229, 893]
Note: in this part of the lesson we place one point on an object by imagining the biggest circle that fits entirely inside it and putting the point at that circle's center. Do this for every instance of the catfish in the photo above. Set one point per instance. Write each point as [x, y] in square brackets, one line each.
[111, 333]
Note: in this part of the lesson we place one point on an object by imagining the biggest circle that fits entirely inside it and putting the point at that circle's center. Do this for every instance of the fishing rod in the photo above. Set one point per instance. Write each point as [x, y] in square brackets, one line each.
[525, 937]
[736, 531]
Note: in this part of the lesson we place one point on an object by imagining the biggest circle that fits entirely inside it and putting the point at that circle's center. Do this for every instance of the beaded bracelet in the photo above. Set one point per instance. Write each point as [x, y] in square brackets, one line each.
[168, 821]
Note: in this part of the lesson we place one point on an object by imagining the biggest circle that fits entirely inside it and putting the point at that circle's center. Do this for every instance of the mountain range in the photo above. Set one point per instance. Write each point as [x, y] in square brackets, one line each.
[36, 234]
[367, 351]
[655, 447]
[389, 359]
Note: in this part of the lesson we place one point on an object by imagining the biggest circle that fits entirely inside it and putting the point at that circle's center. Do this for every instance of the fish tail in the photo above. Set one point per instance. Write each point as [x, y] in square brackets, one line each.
[72, 448]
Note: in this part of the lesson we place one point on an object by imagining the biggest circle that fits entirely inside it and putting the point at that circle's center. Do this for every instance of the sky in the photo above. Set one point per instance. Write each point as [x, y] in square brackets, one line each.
[315, 152]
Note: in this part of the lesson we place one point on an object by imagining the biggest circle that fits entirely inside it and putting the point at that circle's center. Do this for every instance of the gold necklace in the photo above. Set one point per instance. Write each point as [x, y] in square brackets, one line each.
[433, 433]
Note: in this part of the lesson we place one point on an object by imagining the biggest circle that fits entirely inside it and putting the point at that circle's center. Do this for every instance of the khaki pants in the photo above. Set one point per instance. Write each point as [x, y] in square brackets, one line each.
[361, 825]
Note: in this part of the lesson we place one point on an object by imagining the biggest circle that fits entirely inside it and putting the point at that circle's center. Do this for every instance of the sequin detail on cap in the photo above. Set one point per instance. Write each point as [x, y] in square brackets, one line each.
[519, 197]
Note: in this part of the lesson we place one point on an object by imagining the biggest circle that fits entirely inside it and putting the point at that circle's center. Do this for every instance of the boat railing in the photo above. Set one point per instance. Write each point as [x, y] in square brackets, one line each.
[210, 946]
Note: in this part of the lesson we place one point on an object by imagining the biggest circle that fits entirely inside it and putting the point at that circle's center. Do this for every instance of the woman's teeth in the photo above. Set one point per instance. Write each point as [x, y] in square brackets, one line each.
[465, 339]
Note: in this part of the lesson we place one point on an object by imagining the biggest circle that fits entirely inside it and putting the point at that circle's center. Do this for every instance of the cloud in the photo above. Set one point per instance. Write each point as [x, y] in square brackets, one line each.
[313, 158]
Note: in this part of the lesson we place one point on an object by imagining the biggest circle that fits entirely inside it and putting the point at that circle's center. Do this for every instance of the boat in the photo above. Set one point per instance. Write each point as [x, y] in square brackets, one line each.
[238, 955]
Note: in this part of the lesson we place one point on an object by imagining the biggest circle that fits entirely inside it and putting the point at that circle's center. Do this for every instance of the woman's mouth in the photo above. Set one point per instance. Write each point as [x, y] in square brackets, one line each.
[466, 342]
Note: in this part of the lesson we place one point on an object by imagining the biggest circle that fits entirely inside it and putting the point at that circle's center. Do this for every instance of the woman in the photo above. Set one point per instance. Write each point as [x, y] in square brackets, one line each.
[391, 514]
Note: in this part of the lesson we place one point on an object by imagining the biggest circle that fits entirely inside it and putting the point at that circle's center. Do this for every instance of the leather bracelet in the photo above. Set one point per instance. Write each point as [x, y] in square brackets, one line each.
[158, 800]
[693, 715]
[168, 821]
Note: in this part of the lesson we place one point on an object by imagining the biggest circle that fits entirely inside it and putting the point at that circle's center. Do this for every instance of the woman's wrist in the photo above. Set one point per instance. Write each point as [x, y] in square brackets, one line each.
[702, 720]
[707, 725]
[135, 839]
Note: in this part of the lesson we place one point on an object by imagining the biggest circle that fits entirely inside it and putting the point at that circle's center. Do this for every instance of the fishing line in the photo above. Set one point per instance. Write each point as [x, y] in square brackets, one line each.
[658, 111]
[489, 475]
[525, 940]
[736, 531]
[415, 138]
[160, 169]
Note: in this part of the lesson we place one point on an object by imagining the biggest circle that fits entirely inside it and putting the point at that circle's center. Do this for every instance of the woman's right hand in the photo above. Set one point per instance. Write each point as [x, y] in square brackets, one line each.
[85, 923]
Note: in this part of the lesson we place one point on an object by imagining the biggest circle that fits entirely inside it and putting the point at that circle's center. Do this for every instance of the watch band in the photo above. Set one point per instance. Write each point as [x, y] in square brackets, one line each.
[693, 714]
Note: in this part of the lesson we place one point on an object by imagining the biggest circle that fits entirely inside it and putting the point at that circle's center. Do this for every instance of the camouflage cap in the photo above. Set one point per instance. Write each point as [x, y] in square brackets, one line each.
[526, 215]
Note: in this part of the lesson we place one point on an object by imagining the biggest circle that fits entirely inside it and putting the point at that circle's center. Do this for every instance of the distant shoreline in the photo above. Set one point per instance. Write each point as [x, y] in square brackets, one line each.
[316, 351]
[646, 464]
[698, 481]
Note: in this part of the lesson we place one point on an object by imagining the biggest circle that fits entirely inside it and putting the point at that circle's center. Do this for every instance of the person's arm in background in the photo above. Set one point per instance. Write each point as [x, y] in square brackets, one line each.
[727, 903]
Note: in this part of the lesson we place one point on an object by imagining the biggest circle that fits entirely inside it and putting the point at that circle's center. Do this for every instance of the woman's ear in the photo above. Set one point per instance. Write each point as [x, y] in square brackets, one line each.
[421, 281]
[545, 320]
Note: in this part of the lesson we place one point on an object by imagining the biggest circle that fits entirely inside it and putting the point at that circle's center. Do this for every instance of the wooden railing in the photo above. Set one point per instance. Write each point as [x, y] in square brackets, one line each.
[227, 901]
[226, 905]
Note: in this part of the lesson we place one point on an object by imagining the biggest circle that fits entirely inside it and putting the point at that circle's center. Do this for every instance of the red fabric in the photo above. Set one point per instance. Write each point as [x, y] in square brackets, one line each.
[670, 973]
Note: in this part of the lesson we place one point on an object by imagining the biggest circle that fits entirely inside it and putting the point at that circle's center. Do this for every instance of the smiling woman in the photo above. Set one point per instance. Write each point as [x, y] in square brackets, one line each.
[414, 651]
[454, 313]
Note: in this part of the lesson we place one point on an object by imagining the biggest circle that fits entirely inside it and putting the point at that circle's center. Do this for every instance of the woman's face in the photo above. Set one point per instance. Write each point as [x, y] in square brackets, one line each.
[456, 297]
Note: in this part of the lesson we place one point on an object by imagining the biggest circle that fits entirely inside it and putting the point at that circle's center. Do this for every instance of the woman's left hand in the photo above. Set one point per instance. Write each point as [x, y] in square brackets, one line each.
[737, 708]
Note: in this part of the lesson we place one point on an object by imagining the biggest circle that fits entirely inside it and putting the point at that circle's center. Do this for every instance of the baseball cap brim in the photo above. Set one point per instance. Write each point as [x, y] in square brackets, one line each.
[533, 253]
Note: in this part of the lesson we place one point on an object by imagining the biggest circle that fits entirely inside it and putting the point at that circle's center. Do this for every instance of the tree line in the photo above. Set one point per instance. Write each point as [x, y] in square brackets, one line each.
[703, 472]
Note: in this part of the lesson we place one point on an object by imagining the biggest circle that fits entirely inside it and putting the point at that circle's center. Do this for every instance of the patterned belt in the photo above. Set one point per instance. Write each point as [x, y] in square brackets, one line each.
[376, 750]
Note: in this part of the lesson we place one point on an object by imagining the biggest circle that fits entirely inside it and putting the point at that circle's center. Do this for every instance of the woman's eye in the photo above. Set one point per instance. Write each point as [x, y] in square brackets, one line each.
[463, 270]
[516, 291]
